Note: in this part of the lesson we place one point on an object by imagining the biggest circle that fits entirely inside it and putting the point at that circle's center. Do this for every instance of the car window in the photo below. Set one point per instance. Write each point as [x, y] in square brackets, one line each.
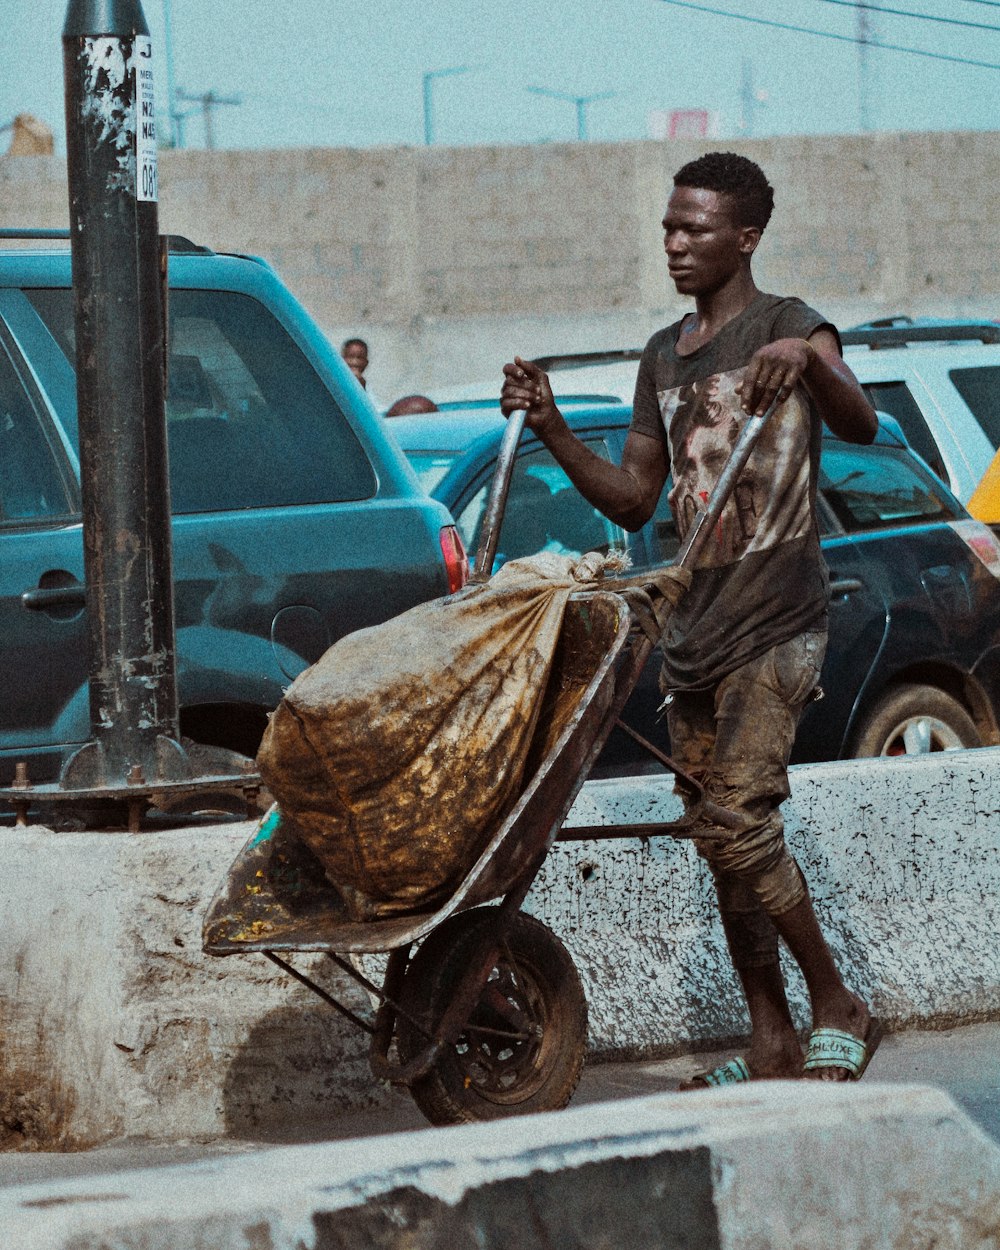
[661, 530]
[545, 512]
[980, 388]
[896, 399]
[31, 485]
[871, 487]
[431, 467]
[250, 423]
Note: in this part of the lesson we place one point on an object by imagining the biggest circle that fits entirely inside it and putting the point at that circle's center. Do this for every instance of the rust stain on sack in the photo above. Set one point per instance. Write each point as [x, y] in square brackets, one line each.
[399, 752]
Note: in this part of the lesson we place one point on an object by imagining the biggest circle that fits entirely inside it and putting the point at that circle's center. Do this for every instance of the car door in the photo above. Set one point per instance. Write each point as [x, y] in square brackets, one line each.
[898, 598]
[43, 677]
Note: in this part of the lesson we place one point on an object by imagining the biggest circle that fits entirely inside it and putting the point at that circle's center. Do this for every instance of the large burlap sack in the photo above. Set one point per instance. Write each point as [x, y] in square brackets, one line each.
[397, 754]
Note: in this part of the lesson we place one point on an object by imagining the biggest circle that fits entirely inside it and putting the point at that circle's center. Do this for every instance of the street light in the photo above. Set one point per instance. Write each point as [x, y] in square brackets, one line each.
[429, 77]
[581, 102]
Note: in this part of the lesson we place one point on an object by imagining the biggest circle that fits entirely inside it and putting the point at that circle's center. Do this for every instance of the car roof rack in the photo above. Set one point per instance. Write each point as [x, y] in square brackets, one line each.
[175, 242]
[888, 332]
[578, 360]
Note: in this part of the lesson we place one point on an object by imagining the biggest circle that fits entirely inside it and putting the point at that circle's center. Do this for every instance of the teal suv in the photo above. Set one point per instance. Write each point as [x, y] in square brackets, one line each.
[296, 518]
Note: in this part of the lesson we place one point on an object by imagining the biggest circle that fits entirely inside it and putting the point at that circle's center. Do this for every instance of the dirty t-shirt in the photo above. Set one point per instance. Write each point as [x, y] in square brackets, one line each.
[760, 579]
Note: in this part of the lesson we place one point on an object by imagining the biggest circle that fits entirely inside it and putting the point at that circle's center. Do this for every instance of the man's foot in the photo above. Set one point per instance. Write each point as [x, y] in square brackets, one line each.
[780, 1061]
[847, 1028]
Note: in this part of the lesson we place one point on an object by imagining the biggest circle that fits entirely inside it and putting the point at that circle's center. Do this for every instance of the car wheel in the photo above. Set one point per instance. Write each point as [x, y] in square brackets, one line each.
[915, 720]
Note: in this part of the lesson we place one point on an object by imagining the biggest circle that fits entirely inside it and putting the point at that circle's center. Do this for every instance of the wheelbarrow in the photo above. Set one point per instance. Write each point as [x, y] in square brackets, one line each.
[481, 1012]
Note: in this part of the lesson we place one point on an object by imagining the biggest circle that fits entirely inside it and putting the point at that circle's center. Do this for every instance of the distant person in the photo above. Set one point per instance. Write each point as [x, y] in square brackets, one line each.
[412, 405]
[355, 354]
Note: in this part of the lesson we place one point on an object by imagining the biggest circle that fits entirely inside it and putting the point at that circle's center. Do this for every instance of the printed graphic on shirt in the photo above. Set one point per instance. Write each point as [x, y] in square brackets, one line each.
[770, 504]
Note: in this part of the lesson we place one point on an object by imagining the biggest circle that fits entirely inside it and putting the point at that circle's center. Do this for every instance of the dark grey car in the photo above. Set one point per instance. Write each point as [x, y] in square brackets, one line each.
[913, 662]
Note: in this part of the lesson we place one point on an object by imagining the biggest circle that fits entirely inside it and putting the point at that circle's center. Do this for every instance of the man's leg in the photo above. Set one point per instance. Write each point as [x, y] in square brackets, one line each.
[757, 712]
[752, 939]
[834, 1006]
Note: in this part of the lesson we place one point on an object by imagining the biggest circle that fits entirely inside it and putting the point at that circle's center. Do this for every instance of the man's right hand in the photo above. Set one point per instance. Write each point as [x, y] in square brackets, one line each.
[526, 387]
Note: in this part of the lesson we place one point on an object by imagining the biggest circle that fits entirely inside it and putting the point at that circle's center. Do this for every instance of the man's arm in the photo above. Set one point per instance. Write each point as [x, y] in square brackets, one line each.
[627, 494]
[816, 362]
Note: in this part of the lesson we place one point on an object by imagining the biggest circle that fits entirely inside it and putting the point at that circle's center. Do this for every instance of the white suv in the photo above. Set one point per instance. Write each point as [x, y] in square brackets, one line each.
[939, 379]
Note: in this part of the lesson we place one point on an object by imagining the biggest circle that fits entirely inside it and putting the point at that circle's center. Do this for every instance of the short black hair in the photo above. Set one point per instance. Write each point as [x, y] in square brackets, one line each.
[736, 176]
[354, 343]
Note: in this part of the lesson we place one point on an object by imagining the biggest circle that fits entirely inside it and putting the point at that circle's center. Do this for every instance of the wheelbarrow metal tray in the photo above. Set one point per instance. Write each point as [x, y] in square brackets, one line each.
[276, 898]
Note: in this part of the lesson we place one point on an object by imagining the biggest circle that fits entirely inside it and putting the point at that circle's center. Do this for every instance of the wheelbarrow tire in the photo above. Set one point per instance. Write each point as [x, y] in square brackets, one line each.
[485, 1076]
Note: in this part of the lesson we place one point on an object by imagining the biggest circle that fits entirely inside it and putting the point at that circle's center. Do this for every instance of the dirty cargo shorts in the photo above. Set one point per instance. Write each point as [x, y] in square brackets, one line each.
[736, 737]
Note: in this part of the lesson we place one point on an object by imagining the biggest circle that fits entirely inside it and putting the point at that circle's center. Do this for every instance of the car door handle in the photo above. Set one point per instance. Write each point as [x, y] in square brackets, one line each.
[43, 598]
[846, 585]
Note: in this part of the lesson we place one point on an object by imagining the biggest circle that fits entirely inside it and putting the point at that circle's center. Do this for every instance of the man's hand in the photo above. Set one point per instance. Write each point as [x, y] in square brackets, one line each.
[773, 373]
[526, 387]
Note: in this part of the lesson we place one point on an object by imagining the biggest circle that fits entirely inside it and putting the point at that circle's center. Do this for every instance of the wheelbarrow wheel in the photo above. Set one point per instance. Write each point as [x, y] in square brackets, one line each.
[522, 1049]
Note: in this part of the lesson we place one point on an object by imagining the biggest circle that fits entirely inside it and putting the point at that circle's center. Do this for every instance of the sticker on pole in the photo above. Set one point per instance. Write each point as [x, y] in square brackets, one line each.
[145, 130]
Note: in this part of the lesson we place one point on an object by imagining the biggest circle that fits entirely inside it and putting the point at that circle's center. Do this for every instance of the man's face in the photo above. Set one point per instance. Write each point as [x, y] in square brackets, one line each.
[356, 358]
[705, 245]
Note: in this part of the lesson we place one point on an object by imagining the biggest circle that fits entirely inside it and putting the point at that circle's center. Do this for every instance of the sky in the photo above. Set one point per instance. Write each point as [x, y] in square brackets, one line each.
[334, 74]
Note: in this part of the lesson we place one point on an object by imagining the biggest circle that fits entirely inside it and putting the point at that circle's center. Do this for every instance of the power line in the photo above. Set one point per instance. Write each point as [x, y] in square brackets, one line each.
[826, 34]
[923, 17]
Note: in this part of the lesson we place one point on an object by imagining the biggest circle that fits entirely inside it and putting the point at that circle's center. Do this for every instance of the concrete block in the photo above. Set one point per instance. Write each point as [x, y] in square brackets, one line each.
[780, 1165]
[114, 1023]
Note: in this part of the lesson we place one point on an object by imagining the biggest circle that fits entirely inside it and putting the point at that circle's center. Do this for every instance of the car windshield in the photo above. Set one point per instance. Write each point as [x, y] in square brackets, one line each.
[871, 487]
[250, 423]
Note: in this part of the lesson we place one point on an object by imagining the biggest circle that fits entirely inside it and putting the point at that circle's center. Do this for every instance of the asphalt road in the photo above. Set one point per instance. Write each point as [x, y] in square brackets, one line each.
[963, 1061]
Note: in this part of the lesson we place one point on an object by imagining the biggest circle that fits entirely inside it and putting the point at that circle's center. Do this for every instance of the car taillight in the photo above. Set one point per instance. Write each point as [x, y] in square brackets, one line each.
[456, 562]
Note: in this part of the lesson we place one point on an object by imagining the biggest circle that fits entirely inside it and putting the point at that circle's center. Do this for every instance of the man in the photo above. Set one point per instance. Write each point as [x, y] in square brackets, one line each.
[355, 354]
[743, 650]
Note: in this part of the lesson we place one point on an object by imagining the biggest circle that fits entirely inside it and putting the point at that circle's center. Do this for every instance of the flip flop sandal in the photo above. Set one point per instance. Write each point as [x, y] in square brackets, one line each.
[835, 1048]
[735, 1072]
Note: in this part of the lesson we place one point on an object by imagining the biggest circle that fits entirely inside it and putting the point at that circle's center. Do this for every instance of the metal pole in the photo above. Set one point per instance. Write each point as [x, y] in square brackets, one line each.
[111, 160]
[429, 77]
[208, 99]
[428, 125]
[581, 102]
[176, 133]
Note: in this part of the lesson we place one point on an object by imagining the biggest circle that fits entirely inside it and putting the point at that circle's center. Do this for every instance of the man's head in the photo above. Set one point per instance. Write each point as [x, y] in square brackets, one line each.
[411, 405]
[715, 217]
[741, 181]
[355, 353]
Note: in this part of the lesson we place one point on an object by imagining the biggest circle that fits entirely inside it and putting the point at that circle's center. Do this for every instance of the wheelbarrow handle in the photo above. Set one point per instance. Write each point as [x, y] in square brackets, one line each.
[489, 535]
[707, 518]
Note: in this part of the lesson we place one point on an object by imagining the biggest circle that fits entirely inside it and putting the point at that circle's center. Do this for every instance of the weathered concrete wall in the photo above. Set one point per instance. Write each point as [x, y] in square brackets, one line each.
[783, 1165]
[447, 260]
[113, 1023]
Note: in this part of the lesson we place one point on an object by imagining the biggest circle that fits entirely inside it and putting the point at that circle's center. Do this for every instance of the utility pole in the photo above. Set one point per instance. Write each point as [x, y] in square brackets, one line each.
[750, 100]
[863, 28]
[581, 102]
[429, 77]
[176, 119]
[207, 101]
[107, 57]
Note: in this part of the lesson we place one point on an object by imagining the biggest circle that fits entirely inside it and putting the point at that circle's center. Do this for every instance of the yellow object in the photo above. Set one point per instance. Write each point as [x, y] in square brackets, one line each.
[984, 504]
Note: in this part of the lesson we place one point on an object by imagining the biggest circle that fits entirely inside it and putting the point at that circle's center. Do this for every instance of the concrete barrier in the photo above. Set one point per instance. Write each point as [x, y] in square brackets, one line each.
[781, 1166]
[114, 1024]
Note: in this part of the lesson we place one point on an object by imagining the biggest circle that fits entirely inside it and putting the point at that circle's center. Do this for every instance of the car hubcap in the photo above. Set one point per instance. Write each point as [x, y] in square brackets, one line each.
[919, 735]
